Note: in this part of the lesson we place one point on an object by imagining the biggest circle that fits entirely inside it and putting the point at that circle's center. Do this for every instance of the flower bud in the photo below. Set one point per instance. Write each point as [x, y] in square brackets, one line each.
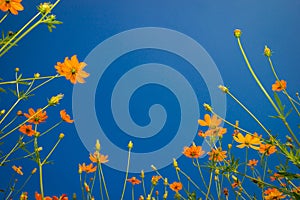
[267, 52]
[20, 113]
[223, 88]
[36, 75]
[142, 174]
[44, 8]
[97, 146]
[61, 136]
[55, 99]
[207, 107]
[17, 69]
[33, 171]
[130, 145]
[237, 33]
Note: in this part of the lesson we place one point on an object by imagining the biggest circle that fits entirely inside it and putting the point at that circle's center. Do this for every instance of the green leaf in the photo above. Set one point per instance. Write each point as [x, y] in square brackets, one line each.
[288, 113]
[278, 101]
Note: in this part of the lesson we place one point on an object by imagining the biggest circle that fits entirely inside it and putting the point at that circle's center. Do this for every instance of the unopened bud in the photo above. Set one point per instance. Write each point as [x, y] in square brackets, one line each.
[237, 33]
[130, 145]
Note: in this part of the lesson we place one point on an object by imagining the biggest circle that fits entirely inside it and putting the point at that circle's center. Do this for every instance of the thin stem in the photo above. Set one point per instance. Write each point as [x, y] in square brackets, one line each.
[11, 108]
[246, 160]
[195, 185]
[3, 18]
[8, 133]
[249, 112]
[3, 50]
[52, 150]
[132, 192]
[284, 90]
[41, 177]
[82, 189]
[200, 172]
[15, 35]
[209, 185]
[28, 79]
[281, 116]
[126, 176]
[25, 182]
[8, 124]
[40, 85]
[100, 182]
[231, 124]
[7, 155]
[103, 180]
[144, 189]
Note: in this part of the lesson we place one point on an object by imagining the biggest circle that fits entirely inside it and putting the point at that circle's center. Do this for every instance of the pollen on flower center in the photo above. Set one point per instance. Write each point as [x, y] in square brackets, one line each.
[73, 71]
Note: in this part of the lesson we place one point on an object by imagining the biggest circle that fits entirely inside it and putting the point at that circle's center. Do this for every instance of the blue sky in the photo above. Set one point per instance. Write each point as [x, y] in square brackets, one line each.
[211, 24]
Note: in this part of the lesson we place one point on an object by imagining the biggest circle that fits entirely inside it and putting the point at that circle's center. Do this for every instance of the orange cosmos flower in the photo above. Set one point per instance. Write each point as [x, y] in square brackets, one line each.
[62, 197]
[87, 168]
[252, 163]
[98, 158]
[11, 5]
[36, 117]
[193, 151]
[134, 180]
[247, 141]
[267, 149]
[72, 70]
[211, 122]
[27, 130]
[39, 197]
[217, 154]
[273, 194]
[219, 131]
[176, 186]
[65, 117]
[18, 170]
[279, 86]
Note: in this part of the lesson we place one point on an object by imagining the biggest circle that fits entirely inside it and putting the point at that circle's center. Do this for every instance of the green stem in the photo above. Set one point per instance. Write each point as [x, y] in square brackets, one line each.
[209, 185]
[15, 35]
[132, 192]
[282, 117]
[82, 189]
[11, 131]
[52, 150]
[126, 176]
[144, 189]
[41, 178]
[103, 180]
[8, 124]
[7, 155]
[11, 108]
[28, 79]
[245, 170]
[3, 18]
[284, 90]
[3, 50]
[100, 182]
[249, 112]
[193, 182]
[200, 172]
[40, 85]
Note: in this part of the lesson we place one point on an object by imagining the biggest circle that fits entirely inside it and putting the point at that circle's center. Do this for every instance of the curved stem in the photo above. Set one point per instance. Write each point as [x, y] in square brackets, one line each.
[281, 116]
[126, 176]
